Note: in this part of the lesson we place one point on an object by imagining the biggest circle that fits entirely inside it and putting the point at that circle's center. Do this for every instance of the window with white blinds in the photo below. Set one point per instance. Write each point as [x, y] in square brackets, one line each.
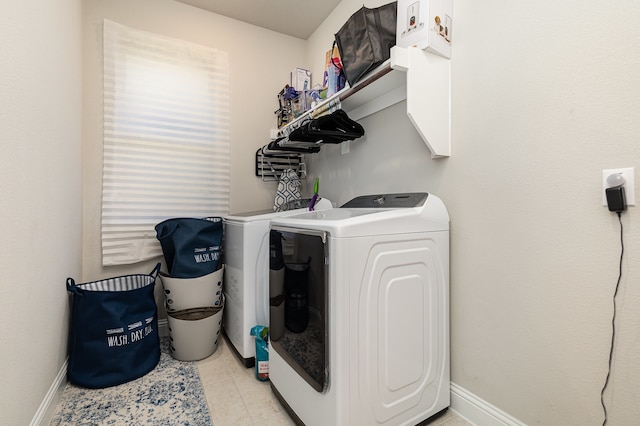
[166, 138]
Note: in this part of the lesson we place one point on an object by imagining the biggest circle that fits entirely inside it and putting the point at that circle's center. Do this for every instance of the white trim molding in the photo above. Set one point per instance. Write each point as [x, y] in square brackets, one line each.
[478, 411]
[51, 399]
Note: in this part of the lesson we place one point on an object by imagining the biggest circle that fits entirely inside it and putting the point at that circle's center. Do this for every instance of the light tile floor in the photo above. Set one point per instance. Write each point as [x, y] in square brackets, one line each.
[237, 398]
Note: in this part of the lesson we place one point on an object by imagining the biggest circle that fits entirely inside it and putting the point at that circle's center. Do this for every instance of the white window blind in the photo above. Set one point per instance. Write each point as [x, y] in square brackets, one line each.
[166, 138]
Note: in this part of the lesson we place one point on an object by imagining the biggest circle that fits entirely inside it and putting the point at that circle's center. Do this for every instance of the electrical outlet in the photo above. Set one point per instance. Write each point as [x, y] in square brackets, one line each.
[629, 184]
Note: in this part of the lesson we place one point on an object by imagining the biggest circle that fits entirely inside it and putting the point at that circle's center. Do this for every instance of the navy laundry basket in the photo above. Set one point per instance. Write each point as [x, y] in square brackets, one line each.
[191, 247]
[114, 330]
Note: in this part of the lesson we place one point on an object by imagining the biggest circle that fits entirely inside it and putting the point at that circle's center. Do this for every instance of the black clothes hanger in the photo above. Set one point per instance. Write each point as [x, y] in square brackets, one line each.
[336, 127]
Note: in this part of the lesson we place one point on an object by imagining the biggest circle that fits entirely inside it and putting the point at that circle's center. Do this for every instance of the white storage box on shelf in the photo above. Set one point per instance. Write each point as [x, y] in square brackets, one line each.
[425, 24]
[186, 293]
[194, 333]
[301, 79]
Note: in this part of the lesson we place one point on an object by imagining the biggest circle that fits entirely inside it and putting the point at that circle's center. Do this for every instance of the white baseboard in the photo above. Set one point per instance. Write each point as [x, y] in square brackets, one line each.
[478, 411]
[51, 399]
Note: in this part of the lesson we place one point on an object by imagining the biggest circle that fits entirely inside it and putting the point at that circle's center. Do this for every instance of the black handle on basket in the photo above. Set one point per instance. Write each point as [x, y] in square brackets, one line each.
[154, 273]
[71, 286]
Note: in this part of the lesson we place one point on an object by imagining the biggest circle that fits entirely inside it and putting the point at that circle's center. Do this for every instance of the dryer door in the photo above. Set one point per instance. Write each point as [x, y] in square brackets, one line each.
[298, 302]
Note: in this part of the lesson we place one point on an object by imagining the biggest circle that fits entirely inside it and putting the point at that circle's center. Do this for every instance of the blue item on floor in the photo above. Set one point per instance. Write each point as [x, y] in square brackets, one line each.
[261, 334]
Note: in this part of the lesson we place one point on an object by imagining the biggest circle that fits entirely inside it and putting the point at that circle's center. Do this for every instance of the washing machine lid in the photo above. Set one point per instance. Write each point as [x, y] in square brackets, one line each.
[390, 214]
[290, 208]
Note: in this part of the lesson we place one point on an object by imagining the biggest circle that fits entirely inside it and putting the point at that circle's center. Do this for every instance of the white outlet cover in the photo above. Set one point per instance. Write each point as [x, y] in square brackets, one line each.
[629, 185]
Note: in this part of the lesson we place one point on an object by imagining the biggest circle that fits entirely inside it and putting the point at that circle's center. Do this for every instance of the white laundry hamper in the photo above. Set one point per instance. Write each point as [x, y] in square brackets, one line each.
[194, 308]
[194, 333]
[187, 293]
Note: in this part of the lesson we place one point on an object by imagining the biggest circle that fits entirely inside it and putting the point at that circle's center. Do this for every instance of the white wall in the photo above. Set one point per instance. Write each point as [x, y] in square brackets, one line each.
[544, 96]
[260, 62]
[40, 193]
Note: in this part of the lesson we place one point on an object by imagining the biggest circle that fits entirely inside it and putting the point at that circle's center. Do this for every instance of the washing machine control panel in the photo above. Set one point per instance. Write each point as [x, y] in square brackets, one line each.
[388, 201]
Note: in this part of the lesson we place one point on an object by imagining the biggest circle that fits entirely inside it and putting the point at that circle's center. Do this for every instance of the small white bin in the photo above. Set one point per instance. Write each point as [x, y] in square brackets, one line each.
[194, 333]
[187, 293]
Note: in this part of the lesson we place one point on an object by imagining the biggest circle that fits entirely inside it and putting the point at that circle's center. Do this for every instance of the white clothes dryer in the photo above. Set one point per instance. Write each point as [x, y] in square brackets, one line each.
[246, 251]
[362, 337]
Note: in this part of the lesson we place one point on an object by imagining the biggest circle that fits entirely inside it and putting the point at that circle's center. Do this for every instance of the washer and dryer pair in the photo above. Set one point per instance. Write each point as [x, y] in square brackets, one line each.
[357, 300]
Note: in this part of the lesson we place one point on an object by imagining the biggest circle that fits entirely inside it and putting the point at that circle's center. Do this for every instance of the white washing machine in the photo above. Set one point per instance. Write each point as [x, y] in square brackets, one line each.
[246, 251]
[362, 337]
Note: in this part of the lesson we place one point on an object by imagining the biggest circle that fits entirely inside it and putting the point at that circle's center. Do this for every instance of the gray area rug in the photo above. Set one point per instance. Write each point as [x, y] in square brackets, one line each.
[171, 394]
